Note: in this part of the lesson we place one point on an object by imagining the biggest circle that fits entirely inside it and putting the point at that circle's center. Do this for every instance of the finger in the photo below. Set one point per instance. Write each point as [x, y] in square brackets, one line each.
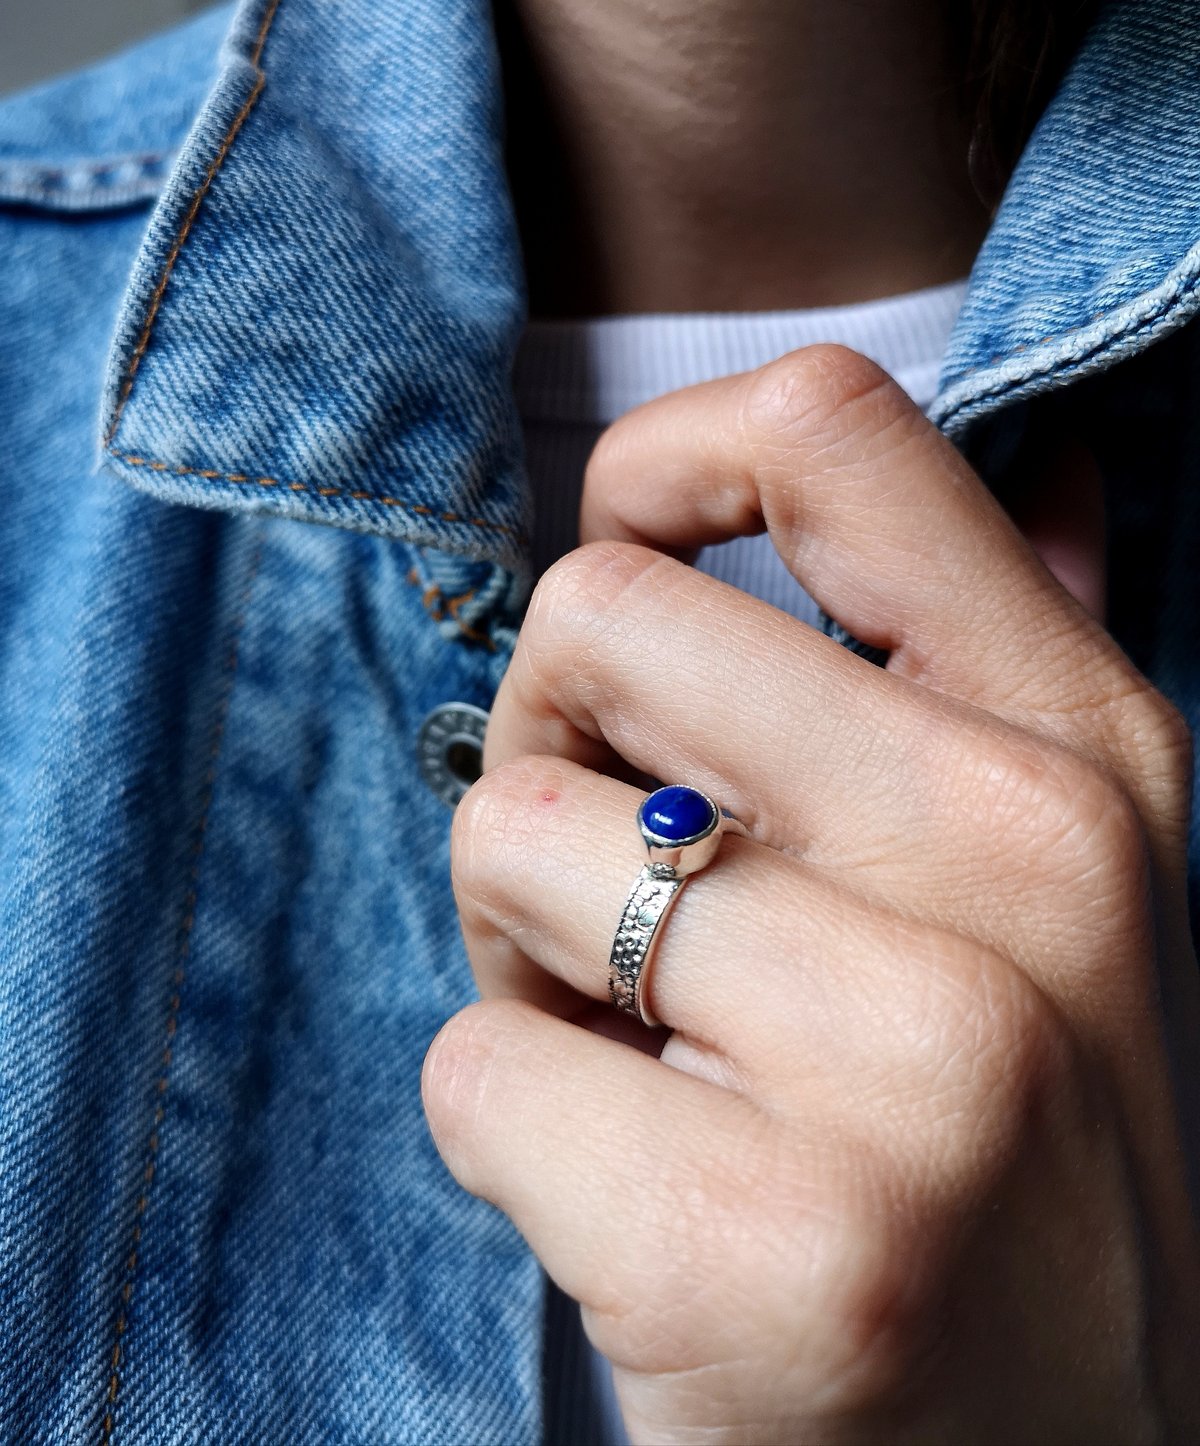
[903, 796]
[873, 511]
[695, 1228]
[773, 975]
[551, 1123]
[666, 1205]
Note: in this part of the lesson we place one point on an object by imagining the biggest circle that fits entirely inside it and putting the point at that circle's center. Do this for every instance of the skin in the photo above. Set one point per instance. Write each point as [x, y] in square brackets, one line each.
[669, 155]
[905, 1164]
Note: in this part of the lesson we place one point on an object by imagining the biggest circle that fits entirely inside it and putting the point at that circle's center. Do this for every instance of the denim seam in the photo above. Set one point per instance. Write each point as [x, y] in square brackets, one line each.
[1064, 367]
[248, 479]
[183, 948]
[84, 188]
[201, 191]
[440, 607]
[101, 172]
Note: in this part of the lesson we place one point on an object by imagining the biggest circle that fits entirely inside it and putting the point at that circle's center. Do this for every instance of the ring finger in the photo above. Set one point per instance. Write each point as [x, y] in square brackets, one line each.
[771, 973]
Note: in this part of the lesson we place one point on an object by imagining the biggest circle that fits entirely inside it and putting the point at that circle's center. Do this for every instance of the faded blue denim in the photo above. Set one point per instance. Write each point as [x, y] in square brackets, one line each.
[226, 928]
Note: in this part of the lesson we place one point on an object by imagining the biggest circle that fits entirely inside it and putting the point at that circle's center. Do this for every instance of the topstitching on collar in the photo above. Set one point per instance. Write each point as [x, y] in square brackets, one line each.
[1095, 252]
[322, 318]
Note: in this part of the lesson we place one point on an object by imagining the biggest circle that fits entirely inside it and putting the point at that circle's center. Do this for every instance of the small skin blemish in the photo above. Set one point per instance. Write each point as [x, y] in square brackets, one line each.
[549, 795]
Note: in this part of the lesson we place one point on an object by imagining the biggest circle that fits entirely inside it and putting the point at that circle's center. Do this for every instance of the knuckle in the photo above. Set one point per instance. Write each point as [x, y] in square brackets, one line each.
[979, 1041]
[581, 589]
[586, 604]
[448, 1069]
[799, 398]
[615, 450]
[873, 1301]
[975, 1027]
[1071, 818]
[1158, 736]
[1019, 1052]
[1105, 836]
[458, 1073]
[492, 827]
[1009, 1059]
[815, 1247]
[590, 577]
[472, 831]
[706, 1228]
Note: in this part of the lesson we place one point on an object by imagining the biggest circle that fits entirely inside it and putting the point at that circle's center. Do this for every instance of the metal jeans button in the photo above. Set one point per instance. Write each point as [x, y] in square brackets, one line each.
[450, 749]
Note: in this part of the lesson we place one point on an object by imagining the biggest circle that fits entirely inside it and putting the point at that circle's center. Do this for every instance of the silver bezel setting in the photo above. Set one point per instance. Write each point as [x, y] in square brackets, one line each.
[649, 901]
[676, 858]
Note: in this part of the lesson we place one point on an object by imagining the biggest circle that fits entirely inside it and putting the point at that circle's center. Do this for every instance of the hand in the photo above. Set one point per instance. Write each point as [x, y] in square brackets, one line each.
[909, 1167]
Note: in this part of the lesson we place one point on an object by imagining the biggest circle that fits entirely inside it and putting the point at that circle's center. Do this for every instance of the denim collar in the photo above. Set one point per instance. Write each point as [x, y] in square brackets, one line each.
[322, 317]
[1095, 251]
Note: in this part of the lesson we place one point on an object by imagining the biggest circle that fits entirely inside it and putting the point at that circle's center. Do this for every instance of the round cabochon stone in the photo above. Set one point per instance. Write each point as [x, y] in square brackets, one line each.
[676, 813]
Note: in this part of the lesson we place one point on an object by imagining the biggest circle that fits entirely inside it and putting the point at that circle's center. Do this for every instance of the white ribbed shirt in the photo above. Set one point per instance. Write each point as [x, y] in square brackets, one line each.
[572, 378]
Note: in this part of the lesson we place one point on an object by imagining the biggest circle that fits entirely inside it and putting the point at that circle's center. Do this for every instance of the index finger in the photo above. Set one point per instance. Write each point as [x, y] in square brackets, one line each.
[873, 511]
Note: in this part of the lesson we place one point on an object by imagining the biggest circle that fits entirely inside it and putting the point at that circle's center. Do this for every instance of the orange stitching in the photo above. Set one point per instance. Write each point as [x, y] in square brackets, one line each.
[474, 634]
[184, 948]
[189, 915]
[437, 605]
[477, 637]
[198, 196]
[241, 477]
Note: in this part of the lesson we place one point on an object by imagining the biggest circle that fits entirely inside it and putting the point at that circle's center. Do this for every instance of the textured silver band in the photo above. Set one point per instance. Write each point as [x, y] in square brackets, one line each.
[649, 901]
[653, 893]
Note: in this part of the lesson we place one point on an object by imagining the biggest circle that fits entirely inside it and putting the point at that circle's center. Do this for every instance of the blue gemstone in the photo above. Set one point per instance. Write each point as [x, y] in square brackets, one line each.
[676, 813]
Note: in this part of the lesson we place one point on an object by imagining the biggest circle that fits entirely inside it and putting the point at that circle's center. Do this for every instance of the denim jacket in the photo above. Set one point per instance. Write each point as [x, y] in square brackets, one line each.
[264, 271]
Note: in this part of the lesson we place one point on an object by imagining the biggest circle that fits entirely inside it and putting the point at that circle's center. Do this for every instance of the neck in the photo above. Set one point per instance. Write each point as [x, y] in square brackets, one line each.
[684, 155]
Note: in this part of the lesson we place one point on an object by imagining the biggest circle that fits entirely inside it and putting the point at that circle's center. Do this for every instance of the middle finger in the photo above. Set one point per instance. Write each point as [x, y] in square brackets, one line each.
[916, 801]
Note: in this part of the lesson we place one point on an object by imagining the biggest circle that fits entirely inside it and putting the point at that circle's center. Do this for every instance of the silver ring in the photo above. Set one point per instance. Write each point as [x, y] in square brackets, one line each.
[681, 828]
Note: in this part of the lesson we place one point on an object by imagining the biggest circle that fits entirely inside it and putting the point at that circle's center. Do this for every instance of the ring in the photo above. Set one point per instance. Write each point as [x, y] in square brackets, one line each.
[681, 828]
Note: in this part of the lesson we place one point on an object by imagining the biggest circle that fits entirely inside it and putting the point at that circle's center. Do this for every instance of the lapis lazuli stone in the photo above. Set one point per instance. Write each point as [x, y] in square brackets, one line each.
[676, 813]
